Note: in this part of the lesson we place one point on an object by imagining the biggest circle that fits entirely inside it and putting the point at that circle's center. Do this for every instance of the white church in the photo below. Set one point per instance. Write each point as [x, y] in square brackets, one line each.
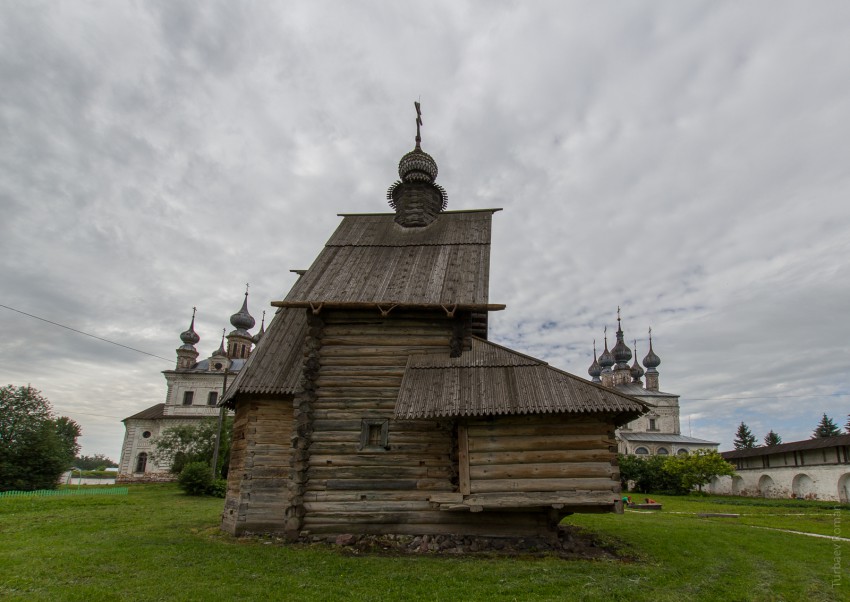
[194, 389]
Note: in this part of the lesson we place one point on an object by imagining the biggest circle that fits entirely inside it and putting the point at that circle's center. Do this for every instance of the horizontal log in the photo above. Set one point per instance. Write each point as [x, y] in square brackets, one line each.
[377, 484]
[378, 472]
[366, 506]
[552, 428]
[525, 419]
[530, 485]
[383, 361]
[396, 449]
[446, 498]
[389, 495]
[588, 442]
[526, 499]
[543, 471]
[354, 394]
[560, 455]
[366, 350]
[394, 459]
[410, 329]
[358, 381]
[387, 339]
[394, 372]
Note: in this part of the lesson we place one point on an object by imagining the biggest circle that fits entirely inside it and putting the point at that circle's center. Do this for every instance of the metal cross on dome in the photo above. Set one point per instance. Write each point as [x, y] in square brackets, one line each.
[418, 122]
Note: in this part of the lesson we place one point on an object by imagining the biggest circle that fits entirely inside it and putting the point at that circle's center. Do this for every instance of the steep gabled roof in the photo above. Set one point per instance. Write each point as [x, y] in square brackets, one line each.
[489, 380]
[274, 367]
[819, 443]
[370, 259]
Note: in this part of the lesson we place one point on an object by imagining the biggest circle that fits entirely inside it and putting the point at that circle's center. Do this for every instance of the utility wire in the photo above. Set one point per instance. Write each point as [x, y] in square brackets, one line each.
[85, 333]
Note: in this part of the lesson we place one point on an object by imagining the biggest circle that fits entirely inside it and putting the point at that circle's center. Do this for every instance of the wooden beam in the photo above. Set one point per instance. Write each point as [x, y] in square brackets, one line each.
[463, 459]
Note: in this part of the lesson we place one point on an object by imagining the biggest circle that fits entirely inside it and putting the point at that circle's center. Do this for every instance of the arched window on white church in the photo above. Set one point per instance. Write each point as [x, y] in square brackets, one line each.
[662, 451]
[142, 462]
[641, 451]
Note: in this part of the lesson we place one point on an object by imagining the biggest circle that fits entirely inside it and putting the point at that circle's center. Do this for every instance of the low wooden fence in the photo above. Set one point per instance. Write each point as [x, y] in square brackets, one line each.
[64, 492]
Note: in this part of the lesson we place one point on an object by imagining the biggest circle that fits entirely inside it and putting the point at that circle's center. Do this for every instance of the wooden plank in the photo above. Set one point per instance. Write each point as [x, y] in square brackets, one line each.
[542, 471]
[524, 499]
[479, 444]
[379, 460]
[540, 430]
[530, 485]
[534, 457]
[463, 459]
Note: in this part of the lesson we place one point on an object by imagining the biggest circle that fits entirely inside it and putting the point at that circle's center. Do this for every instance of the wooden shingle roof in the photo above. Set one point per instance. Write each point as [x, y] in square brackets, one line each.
[275, 365]
[491, 380]
[372, 260]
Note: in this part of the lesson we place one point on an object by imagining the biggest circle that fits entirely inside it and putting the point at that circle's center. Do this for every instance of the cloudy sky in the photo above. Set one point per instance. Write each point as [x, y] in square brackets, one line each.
[687, 161]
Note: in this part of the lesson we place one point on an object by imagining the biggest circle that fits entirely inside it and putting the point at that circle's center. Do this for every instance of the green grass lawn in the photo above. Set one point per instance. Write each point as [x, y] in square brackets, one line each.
[157, 544]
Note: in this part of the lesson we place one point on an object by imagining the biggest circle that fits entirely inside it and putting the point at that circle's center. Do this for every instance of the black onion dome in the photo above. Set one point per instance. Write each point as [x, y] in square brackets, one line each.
[242, 320]
[606, 360]
[636, 371]
[417, 166]
[594, 369]
[621, 352]
[651, 361]
[190, 337]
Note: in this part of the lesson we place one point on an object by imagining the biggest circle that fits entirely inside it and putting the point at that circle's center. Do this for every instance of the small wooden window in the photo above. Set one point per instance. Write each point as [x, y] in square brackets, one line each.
[374, 434]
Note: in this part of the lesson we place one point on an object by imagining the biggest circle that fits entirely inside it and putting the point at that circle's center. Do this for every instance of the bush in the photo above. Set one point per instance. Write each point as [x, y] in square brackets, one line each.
[195, 478]
[217, 488]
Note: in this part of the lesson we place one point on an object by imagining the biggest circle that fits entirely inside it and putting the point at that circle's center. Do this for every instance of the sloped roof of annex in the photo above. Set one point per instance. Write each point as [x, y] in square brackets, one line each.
[491, 380]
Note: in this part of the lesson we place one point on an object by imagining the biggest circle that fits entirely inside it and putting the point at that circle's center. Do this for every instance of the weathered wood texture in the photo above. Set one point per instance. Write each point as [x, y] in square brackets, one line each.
[381, 488]
[556, 460]
[260, 463]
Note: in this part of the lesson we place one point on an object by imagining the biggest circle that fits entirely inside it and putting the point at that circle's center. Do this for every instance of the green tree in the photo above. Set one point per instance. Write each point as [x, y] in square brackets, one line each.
[35, 447]
[744, 438]
[698, 468]
[648, 474]
[772, 438]
[93, 462]
[826, 428]
[184, 444]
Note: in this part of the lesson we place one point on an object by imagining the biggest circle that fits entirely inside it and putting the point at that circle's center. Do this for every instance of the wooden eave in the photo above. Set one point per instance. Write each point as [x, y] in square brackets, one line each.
[385, 308]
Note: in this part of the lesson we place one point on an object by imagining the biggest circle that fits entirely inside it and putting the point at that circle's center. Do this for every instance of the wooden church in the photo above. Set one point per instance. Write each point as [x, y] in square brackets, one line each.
[375, 403]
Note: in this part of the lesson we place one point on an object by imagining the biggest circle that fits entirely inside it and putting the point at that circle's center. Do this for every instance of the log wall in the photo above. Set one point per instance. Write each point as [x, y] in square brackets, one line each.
[559, 460]
[383, 486]
[258, 491]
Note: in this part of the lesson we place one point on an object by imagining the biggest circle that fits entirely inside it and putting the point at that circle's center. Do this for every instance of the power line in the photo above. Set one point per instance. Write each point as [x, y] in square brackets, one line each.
[85, 333]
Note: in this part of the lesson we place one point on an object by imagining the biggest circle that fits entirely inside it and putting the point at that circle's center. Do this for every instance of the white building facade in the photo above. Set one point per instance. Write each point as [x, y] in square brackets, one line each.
[658, 432]
[815, 469]
[193, 392]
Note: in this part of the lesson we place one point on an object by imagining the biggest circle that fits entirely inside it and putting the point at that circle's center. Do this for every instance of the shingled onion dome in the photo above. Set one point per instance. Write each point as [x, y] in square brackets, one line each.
[621, 352]
[221, 351]
[242, 320]
[606, 360]
[637, 369]
[595, 370]
[186, 353]
[651, 361]
[256, 338]
[189, 337]
[417, 200]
